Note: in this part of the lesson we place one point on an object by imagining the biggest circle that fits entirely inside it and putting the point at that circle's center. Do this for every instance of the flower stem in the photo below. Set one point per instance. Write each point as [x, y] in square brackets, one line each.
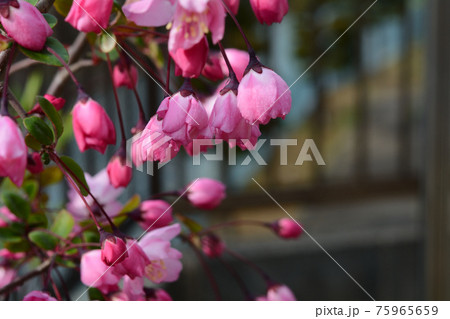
[169, 60]
[233, 17]
[102, 210]
[231, 73]
[4, 102]
[233, 223]
[69, 178]
[66, 66]
[116, 97]
[238, 279]
[205, 266]
[262, 273]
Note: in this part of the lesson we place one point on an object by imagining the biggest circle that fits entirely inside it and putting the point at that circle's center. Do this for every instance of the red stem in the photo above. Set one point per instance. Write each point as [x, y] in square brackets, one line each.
[116, 97]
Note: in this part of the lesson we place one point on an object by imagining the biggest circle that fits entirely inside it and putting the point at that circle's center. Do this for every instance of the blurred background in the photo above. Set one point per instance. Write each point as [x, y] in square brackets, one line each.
[377, 106]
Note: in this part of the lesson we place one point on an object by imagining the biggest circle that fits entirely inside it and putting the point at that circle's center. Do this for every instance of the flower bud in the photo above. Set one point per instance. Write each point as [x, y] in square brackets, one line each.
[26, 25]
[114, 249]
[155, 214]
[287, 228]
[58, 103]
[125, 75]
[13, 151]
[92, 126]
[213, 67]
[269, 11]
[119, 173]
[90, 15]
[280, 293]
[38, 296]
[206, 193]
[212, 246]
[34, 163]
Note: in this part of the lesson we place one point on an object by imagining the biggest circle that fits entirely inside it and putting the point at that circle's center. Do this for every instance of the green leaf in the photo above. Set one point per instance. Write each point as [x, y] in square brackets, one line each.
[191, 224]
[91, 236]
[77, 174]
[46, 57]
[63, 224]
[51, 19]
[18, 247]
[39, 130]
[17, 205]
[37, 220]
[43, 240]
[63, 6]
[131, 205]
[65, 262]
[95, 294]
[32, 142]
[31, 187]
[52, 114]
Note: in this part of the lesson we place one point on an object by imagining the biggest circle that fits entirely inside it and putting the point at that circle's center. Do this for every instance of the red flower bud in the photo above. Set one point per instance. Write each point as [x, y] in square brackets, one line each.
[114, 249]
[287, 228]
[212, 246]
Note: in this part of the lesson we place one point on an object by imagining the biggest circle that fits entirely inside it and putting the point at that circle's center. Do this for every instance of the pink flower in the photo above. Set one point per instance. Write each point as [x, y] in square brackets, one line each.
[5, 253]
[6, 217]
[34, 163]
[165, 265]
[269, 11]
[287, 228]
[238, 59]
[136, 263]
[225, 116]
[92, 126]
[212, 246]
[183, 116]
[125, 75]
[89, 15]
[58, 103]
[94, 273]
[158, 295]
[104, 192]
[38, 296]
[263, 95]
[244, 135]
[26, 25]
[233, 5]
[119, 173]
[114, 250]
[193, 19]
[149, 13]
[213, 67]
[153, 144]
[155, 213]
[7, 275]
[206, 193]
[190, 62]
[13, 151]
[280, 293]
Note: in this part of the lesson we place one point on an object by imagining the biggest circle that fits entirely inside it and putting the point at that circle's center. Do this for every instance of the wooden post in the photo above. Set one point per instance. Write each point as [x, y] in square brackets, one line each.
[437, 153]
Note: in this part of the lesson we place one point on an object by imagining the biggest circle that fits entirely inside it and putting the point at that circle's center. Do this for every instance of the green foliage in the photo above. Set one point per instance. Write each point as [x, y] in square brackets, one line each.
[43, 239]
[63, 224]
[17, 205]
[51, 19]
[63, 6]
[77, 173]
[39, 130]
[52, 114]
[44, 56]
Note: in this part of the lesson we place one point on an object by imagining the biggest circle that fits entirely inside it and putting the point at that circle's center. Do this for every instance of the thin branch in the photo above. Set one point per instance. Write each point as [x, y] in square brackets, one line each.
[21, 280]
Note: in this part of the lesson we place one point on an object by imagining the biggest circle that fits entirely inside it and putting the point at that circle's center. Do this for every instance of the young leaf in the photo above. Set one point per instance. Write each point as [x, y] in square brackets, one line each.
[77, 173]
[43, 240]
[31, 187]
[46, 57]
[51, 19]
[32, 143]
[63, 6]
[52, 114]
[63, 224]
[39, 130]
[17, 205]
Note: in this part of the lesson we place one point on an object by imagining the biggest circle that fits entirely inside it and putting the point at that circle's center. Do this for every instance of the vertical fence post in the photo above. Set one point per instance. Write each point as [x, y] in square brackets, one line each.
[437, 153]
